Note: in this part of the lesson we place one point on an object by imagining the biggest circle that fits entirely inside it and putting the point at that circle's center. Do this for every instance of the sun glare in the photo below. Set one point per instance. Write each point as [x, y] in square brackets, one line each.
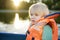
[17, 2]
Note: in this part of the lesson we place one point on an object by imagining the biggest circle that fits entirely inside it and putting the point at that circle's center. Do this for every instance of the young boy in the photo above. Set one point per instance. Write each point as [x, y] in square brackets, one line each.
[37, 12]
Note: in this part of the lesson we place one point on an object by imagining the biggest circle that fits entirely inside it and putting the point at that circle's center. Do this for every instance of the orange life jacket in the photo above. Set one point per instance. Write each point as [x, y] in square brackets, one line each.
[35, 31]
[54, 27]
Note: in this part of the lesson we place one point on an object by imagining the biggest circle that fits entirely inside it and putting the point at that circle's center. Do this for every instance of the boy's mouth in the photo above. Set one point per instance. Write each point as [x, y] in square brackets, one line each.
[33, 20]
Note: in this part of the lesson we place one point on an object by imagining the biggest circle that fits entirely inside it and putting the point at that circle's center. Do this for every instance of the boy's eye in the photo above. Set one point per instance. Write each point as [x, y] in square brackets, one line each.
[36, 14]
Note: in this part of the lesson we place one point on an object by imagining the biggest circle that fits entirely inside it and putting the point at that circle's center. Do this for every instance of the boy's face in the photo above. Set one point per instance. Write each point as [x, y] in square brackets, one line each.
[34, 17]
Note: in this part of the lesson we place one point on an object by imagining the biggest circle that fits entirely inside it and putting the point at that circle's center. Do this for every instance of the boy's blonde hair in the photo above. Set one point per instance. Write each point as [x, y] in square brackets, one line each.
[41, 8]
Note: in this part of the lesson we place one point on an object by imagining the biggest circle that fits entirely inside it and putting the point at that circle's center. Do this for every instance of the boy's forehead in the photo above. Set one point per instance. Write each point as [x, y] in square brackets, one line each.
[32, 11]
[35, 12]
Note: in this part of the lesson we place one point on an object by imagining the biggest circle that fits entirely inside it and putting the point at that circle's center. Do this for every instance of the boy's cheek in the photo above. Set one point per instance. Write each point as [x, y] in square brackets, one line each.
[38, 18]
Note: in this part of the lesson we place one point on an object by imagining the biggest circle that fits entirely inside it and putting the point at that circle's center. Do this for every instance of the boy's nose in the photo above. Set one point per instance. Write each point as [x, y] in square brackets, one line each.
[32, 17]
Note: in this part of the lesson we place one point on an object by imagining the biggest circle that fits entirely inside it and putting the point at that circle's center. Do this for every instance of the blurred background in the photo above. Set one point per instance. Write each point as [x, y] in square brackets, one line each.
[14, 17]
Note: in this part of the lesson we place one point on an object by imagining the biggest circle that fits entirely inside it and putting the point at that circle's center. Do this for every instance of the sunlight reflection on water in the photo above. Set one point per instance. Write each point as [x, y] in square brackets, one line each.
[11, 29]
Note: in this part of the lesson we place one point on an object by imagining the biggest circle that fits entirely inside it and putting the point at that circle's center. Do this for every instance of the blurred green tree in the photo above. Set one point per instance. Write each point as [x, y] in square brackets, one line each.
[6, 17]
[53, 4]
